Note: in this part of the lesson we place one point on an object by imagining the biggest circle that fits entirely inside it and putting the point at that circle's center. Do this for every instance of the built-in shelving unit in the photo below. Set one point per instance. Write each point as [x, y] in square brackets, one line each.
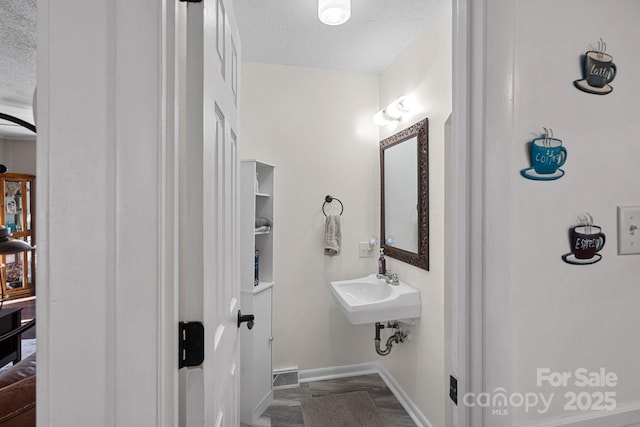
[256, 288]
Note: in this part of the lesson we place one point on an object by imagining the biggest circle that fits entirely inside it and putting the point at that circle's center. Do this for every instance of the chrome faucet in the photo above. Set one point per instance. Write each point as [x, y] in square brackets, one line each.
[389, 277]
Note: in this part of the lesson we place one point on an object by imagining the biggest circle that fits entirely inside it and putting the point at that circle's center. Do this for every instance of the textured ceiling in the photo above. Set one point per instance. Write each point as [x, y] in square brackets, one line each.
[289, 32]
[17, 64]
[273, 31]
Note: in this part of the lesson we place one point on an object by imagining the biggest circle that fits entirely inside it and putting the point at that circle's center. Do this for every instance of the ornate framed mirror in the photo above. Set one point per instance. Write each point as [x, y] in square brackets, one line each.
[404, 195]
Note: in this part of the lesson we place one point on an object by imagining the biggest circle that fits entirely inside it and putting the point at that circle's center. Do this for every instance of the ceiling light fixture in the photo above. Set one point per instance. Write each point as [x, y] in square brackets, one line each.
[18, 121]
[334, 12]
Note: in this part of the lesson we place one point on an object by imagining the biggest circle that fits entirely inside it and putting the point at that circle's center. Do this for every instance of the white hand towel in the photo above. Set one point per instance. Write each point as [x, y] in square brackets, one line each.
[332, 235]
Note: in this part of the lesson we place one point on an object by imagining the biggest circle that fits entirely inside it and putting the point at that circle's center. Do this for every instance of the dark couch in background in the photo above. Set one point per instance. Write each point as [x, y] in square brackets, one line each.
[18, 394]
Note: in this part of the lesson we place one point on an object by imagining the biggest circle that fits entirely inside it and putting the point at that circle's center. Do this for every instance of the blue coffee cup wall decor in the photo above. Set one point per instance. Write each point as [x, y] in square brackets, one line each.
[547, 155]
[598, 71]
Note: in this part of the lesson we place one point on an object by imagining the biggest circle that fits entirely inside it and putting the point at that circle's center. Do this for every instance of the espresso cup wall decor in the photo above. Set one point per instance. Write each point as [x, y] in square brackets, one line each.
[586, 241]
[598, 71]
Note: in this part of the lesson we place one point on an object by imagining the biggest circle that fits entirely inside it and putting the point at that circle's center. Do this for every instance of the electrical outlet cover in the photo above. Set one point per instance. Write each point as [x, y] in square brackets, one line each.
[365, 250]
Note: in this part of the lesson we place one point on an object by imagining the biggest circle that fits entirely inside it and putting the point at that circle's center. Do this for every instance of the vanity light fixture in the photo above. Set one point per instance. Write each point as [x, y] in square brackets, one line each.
[381, 119]
[334, 12]
[392, 112]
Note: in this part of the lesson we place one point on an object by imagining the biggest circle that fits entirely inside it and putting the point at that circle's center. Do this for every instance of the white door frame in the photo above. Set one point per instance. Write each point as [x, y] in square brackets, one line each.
[482, 355]
[465, 362]
[105, 217]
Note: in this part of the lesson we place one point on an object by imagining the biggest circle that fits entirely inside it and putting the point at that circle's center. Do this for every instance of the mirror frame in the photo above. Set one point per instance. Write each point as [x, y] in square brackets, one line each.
[421, 131]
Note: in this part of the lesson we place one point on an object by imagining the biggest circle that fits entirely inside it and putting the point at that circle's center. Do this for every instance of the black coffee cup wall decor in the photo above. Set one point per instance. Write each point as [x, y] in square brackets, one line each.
[598, 71]
[586, 241]
[547, 155]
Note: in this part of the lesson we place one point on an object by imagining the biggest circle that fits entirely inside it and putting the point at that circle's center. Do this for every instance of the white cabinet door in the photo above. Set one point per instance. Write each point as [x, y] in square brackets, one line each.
[262, 355]
[256, 391]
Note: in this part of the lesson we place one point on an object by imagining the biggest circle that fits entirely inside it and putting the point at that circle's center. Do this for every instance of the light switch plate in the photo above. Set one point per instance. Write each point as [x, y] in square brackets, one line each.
[628, 230]
[365, 250]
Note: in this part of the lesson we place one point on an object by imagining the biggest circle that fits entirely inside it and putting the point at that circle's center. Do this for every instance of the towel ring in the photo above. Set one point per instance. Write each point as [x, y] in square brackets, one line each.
[329, 199]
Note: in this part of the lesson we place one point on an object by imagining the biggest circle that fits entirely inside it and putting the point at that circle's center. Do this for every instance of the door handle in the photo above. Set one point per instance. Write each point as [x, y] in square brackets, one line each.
[249, 318]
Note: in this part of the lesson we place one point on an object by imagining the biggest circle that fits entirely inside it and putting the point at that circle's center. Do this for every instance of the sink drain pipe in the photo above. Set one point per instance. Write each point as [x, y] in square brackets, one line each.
[398, 337]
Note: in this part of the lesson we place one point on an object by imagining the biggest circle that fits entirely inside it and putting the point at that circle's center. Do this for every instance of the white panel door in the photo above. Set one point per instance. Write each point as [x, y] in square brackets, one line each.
[210, 282]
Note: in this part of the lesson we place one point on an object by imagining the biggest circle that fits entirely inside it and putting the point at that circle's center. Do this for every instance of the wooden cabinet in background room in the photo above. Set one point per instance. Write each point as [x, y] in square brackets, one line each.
[18, 270]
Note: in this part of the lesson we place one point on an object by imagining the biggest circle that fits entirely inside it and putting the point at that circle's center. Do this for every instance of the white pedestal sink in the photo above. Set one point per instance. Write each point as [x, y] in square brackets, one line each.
[370, 300]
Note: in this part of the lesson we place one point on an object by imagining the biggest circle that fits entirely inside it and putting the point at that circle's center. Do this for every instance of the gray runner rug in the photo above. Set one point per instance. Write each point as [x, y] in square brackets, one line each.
[341, 410]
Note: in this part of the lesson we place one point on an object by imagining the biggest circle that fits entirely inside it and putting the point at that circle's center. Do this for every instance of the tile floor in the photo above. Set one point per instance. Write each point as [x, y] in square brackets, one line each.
[286, 410]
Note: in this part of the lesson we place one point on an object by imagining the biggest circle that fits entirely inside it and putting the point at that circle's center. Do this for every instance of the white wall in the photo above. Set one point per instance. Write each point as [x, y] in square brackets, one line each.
[18, 156]
[567, 317]
[423, 71]
[315, 126]
[100, 188]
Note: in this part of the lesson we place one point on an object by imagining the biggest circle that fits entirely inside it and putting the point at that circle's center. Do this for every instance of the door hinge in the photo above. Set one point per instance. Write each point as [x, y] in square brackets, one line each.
[453, 389]
[191, 344]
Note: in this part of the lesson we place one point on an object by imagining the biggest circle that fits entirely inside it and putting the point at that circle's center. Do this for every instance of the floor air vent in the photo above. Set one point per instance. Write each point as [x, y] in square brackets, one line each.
[285, 378]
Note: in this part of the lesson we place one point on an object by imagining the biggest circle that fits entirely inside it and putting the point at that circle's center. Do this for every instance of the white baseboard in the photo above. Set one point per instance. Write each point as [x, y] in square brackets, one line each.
[334, 372]
[414, 412]
[624, 416]
[252, 417]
